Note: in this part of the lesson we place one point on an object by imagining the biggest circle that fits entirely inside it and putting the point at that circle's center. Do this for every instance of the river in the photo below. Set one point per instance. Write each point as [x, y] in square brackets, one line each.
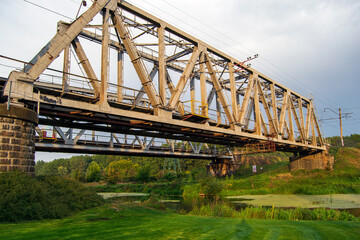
[348, 202]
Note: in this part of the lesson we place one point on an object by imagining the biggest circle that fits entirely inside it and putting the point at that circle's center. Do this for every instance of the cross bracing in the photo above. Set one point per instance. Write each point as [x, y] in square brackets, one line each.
[149, 78]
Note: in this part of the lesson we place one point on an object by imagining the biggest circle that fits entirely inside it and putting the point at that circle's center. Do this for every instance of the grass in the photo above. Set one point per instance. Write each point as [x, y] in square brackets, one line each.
[156, 188]
[115, 221]
[221, 209]
[344, 179]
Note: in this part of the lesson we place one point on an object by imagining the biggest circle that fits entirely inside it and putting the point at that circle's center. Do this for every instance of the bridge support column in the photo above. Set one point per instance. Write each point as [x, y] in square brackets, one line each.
[17, 139]
[221, 167]
[321, 160]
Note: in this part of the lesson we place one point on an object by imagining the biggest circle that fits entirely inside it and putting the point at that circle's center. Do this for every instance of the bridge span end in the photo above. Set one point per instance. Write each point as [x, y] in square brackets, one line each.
[183, 97]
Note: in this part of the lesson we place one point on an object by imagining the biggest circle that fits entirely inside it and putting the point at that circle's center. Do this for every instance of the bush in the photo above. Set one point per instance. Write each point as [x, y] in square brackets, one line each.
[120, 170]
[32, 198]
[210, 186]
[143, 174]
[169, 176]
[93, 172]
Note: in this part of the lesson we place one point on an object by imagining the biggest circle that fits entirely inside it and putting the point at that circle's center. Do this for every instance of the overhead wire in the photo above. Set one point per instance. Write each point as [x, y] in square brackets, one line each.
[325, 103]
[47, 9]
[303, 87]
[52, 11]
[321, 98]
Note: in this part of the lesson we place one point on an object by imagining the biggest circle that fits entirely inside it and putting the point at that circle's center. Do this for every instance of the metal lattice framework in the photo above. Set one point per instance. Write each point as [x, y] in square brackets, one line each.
[182, 88]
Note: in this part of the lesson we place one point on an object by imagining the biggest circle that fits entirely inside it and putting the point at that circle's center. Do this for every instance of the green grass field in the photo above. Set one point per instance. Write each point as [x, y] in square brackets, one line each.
[114, 221]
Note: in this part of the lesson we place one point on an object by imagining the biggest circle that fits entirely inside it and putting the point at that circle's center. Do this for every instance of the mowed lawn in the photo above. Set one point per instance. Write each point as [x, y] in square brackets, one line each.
[134, 222]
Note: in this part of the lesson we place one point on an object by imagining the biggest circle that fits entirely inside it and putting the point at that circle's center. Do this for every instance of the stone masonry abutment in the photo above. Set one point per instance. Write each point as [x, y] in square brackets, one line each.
[17, 138]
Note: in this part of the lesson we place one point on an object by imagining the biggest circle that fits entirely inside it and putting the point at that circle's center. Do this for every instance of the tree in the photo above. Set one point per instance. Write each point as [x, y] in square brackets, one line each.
[210, 186]
[62, 171]
[93, 172]
[78, 167]
[120, 170]
[143, 174]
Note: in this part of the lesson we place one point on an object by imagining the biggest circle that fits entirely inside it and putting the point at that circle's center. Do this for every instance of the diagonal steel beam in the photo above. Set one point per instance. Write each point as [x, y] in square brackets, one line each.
[136, 60]
[141, 93]
[63, 38]
[178, 55]
[184, 78]
[246, 100]
[218, 89]
[267, 109]
[85, 63]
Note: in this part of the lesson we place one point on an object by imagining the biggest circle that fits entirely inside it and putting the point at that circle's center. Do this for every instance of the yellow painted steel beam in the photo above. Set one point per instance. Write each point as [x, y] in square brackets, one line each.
[63, 38]
[85, 63]
[140, 69]
[184, 78]
[219, 91]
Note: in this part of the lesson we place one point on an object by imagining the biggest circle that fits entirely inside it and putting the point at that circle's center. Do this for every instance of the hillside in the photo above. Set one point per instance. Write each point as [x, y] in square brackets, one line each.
[347, 159]
[345, 178]
[262, 158]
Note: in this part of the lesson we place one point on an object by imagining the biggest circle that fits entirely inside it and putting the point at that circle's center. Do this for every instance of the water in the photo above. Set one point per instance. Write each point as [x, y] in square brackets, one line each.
[342, 202]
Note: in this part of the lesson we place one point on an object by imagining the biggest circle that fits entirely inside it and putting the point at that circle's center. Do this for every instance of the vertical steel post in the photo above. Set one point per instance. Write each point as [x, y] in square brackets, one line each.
[162, 65]
[104, 57]
[341, 132]
[120, 73]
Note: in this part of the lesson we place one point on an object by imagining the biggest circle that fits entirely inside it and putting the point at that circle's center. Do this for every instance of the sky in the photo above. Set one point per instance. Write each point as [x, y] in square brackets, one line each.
[311, 47]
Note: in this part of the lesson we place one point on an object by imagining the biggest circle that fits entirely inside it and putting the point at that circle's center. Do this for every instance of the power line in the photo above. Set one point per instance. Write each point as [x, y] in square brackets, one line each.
[47, 9]
[296, 83]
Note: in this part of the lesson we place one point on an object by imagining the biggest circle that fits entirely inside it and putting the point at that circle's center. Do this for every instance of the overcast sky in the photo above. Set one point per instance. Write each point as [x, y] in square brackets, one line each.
[310, 46]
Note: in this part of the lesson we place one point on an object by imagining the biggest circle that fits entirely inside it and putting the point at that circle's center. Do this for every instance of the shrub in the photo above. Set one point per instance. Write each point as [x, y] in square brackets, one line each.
[93, 172]
[169, 176]
[32, 198]
[210, 186]
[143, 174]
[120, 170]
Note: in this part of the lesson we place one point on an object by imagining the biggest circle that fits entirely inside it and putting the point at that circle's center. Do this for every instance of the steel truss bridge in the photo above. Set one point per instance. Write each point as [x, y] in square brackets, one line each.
[153, 90]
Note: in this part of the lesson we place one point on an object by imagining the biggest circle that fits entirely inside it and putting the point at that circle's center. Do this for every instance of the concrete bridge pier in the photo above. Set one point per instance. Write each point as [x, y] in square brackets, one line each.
[17, 138]
[320, 160]
[221, 166]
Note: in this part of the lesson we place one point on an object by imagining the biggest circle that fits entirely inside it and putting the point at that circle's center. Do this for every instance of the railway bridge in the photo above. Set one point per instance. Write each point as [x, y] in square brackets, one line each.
[118, 80]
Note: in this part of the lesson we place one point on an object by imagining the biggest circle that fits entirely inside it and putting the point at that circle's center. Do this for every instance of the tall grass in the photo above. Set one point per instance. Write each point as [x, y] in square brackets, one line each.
[173, 188]
[216, 209]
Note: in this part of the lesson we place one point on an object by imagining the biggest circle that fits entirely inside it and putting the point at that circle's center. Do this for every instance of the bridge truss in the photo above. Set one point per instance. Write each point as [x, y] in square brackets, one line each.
[131, 83]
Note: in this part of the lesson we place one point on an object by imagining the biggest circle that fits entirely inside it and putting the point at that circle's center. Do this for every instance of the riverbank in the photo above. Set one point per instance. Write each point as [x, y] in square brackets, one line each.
[124, 221]
[333, 201]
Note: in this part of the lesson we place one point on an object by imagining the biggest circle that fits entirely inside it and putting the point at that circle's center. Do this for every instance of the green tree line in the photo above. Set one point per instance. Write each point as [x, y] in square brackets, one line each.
[112, 169]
